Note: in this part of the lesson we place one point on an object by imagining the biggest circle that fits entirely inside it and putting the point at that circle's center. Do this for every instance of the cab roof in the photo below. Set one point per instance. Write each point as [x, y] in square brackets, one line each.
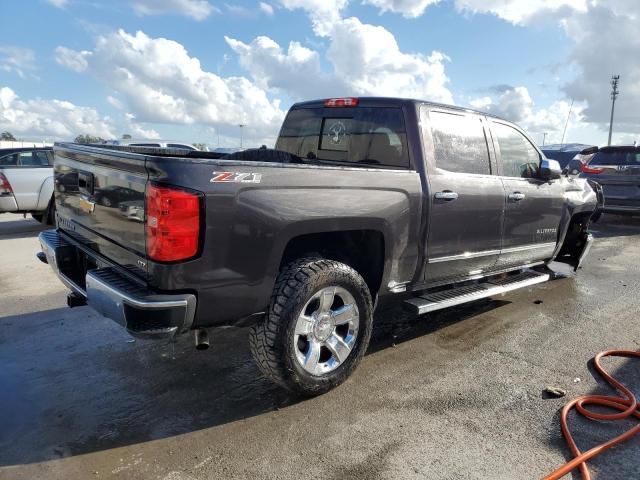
[390, 102]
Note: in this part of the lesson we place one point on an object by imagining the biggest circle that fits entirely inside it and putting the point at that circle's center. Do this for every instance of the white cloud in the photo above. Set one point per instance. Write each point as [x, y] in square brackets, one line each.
[266, 8]
[369, 59]
[522, 11]
[482, 103]
[408, 8]
[50, 118]
[18, 60]
[196, 9]
[73, 60]
[606, 43]
[516, 105]
[295, 72]
[323, 13]
[58, 3]
[364, 60]
[159, 82]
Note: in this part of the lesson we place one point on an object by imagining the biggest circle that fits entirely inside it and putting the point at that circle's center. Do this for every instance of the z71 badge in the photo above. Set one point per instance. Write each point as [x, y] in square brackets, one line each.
[236, 177]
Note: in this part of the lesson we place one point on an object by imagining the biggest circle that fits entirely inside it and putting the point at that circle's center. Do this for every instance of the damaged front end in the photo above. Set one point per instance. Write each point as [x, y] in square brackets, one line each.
[583, 204]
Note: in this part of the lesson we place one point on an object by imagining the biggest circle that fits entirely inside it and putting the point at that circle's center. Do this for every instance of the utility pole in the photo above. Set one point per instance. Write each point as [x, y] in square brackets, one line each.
[242, 125]
[615, 80]
[544, 138]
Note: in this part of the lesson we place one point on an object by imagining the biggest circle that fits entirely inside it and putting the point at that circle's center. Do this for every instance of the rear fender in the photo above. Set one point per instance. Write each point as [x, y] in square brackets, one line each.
[46, 192]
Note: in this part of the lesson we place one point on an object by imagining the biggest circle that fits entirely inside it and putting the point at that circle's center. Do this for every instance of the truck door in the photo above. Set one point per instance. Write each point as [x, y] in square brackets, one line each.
[533, 206]
[466, 198]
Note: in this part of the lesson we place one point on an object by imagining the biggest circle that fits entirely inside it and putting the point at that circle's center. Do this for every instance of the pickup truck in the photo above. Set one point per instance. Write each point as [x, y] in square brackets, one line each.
[26, 182]
[362, 200]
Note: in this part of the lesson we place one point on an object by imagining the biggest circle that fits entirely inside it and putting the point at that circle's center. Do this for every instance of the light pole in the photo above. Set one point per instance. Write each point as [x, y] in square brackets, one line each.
[544, 138]
[615, 80]
[242, 125]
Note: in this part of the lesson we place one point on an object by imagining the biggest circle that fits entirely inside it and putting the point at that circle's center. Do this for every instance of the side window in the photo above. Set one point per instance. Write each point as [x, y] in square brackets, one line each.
[33, 159]
[519, 158]
[379, 137]
[180, 146]
[460, 143]
[9, 160]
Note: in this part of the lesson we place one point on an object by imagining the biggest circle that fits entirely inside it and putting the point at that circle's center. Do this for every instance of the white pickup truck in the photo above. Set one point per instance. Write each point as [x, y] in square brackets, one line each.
[26, 182]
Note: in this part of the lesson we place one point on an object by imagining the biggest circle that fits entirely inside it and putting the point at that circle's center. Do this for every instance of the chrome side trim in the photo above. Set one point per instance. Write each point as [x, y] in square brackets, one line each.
[464, 256]
[487, 253]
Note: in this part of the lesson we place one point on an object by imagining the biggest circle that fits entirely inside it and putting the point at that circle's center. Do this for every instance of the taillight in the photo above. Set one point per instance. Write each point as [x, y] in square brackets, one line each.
[341, 102]
[5, 186]
[584, 168]
[173, 224]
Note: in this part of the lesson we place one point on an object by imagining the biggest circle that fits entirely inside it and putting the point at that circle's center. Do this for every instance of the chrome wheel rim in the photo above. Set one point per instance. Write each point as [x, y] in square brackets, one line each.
[326, 330]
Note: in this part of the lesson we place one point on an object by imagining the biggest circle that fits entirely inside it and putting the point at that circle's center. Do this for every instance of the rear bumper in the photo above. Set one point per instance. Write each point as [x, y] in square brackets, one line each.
[8, 203]
[143, 312]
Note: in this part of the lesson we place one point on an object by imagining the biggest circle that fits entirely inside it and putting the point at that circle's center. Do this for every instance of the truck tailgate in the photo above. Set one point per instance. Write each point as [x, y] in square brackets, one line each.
[100, 201]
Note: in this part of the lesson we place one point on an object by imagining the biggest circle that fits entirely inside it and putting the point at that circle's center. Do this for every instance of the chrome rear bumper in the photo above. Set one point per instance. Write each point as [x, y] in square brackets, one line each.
[141, 311]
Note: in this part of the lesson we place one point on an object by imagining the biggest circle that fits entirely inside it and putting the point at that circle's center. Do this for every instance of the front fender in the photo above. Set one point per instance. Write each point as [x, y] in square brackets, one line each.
[581, 202]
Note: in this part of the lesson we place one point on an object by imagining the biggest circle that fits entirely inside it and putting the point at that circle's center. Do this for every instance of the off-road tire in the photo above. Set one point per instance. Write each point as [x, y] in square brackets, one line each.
[271, 339]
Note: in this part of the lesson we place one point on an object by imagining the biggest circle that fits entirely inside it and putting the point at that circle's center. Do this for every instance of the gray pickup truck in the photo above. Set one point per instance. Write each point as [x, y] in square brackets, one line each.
[362, 199]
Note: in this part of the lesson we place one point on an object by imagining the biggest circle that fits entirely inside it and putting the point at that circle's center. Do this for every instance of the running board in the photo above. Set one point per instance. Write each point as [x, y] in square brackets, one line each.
[430, 302]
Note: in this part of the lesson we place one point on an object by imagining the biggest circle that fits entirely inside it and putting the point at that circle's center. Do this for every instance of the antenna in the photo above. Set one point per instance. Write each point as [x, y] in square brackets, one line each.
[242, 125]
[615, 81]
[567, 124]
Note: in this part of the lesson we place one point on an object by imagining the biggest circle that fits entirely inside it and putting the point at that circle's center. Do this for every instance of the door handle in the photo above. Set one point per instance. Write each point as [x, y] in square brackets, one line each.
[517, 196]
[446, 195]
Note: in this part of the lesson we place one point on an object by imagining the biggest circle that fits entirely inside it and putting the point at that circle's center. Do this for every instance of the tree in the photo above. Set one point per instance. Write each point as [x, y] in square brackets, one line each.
[200, 146]
[87, 139]
[7, 136]
[126, 136]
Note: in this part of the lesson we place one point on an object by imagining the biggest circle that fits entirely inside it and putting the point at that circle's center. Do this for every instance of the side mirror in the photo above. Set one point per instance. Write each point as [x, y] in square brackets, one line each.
[550, 169]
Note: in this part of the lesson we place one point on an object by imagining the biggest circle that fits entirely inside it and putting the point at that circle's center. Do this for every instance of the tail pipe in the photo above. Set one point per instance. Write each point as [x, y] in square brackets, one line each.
[202, 339]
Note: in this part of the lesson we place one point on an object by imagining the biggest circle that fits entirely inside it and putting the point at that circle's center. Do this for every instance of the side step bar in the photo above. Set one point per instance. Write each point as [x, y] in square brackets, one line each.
[430, 302]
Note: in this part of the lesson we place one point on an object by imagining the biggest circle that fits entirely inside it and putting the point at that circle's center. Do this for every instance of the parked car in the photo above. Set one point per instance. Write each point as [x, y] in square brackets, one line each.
[617, 169]
[365, 200]
[152, 144]
[564, 153]
[26, 182]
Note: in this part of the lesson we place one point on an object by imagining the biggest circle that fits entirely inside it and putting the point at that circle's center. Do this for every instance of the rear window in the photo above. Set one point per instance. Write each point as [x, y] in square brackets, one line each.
[365, 136]
[616, 157]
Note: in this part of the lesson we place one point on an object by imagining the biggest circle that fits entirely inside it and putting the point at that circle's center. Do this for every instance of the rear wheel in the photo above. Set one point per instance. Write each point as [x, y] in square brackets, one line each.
[317, 328]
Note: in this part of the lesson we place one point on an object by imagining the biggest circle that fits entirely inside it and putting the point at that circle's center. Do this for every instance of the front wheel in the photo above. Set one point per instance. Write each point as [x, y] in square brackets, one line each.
[317, 328]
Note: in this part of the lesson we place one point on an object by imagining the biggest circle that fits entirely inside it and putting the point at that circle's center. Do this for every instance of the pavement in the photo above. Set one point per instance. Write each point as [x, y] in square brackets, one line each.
[452, 395]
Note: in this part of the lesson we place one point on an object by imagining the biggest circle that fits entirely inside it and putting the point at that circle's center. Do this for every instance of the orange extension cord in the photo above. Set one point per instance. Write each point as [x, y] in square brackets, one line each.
[627, 405]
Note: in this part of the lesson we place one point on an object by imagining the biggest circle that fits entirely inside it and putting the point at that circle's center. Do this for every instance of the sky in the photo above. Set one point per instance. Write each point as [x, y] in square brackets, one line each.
[193, 70]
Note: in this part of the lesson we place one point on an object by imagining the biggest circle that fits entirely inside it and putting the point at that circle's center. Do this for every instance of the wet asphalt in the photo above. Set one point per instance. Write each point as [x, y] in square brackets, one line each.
[453, 395]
